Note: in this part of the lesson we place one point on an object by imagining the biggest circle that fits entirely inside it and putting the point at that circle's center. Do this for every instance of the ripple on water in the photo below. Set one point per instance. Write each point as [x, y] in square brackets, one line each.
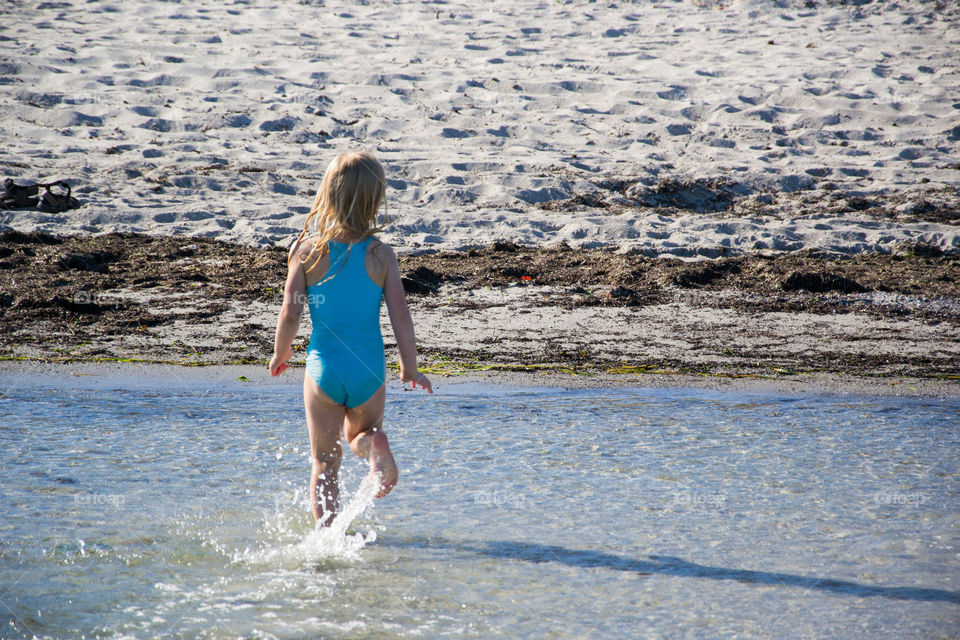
[181, 511]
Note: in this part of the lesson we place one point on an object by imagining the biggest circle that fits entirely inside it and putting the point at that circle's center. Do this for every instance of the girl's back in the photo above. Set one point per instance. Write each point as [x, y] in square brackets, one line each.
[344, 298]
[309, 255]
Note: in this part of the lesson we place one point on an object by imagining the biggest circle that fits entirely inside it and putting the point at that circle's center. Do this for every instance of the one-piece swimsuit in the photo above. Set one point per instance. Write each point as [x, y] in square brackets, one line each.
[345, 354]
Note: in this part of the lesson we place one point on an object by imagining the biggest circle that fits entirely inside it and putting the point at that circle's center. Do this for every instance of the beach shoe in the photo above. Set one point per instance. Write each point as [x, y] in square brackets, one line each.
[17, 196]
[57, 201]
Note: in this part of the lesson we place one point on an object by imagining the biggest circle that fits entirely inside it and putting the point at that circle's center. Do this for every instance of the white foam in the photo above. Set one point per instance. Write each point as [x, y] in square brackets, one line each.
[323, 543]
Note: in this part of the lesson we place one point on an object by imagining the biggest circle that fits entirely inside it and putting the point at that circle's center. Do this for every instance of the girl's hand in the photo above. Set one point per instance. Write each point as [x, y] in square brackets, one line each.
[279, 363]
[417, 379]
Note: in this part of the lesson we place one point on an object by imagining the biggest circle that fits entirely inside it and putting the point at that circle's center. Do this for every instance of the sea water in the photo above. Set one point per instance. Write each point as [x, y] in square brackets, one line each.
[139, 507]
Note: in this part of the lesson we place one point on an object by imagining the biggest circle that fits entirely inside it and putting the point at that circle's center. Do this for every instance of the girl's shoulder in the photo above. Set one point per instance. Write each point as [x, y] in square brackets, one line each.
[380, 248]
[303, 247]
[306, 247]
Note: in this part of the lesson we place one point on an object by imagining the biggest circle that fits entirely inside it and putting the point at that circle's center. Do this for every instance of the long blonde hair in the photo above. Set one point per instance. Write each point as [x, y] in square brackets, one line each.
[347, 202]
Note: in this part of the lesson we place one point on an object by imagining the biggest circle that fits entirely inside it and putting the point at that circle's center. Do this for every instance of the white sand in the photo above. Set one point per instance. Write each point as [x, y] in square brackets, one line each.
[217, 118]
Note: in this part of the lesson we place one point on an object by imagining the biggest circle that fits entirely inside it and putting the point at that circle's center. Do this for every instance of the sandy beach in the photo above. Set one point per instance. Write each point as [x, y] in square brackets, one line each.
[685, 277]
[745, 188]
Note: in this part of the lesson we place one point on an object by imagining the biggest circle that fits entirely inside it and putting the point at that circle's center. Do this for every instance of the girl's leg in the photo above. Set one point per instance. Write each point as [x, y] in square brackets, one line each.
[324, 419]
[364, 432]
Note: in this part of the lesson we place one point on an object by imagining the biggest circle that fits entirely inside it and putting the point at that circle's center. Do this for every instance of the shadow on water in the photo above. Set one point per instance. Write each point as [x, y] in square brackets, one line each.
[669, 565]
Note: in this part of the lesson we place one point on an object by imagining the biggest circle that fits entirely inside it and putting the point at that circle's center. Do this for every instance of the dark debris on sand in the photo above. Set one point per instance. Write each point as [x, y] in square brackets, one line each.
[104, 291]
[780, 282]
[56, 291]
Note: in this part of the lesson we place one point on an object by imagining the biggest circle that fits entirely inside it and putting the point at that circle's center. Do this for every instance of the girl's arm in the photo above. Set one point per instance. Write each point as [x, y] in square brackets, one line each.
[294, 294]
[402, 324]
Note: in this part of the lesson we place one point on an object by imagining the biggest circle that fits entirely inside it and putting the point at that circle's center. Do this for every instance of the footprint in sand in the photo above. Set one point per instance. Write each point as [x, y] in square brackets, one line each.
[286, 123]
[449, 132]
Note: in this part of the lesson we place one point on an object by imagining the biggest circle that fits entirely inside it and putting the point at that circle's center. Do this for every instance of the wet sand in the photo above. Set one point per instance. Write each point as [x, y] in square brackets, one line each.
[105, 374]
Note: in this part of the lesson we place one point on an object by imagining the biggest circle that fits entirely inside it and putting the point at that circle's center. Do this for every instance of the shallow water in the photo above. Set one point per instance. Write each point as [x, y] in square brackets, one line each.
[141, 508]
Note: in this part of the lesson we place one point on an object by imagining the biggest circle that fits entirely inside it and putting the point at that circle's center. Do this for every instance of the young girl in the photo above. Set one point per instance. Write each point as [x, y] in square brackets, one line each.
[342, 272]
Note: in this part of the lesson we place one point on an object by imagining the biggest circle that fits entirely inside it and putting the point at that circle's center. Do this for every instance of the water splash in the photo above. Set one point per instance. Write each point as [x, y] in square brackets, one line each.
[334, 540]
[324, 543]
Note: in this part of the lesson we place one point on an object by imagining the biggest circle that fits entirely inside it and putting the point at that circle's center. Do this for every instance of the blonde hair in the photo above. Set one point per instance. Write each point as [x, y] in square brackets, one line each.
[347, 202]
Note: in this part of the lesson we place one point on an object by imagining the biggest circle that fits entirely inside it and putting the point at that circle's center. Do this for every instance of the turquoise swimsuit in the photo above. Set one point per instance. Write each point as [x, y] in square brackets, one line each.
[345, 355]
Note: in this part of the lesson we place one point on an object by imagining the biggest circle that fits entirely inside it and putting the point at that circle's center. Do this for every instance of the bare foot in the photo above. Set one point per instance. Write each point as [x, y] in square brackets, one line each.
[382, 465]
